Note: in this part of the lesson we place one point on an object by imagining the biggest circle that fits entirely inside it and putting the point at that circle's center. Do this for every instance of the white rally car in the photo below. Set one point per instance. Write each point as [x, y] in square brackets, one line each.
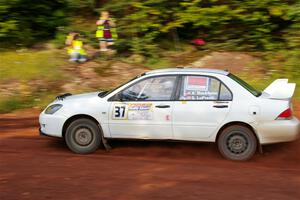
[177, 104]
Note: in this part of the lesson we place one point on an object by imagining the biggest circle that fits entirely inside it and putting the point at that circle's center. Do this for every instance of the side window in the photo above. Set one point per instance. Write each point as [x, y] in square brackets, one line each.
[157, 88]
[225, 94]
[203, 88]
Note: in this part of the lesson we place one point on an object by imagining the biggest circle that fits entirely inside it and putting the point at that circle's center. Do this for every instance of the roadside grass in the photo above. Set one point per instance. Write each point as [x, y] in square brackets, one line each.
[24, 66]
[161, 63]
[8, 104]
[297, 92]
[261, 84]
[27, 65]
[40, 101]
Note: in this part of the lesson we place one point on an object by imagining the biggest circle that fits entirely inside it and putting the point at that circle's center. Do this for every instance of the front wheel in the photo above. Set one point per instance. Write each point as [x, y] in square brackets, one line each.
[83, 136]
[237, 143]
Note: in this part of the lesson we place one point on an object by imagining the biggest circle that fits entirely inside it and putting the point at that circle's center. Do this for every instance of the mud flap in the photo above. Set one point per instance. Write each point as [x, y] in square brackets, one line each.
[105, 144]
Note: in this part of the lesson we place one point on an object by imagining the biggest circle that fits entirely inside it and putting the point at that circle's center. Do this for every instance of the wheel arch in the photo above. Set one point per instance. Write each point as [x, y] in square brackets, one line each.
[238, 123]
[75, 117]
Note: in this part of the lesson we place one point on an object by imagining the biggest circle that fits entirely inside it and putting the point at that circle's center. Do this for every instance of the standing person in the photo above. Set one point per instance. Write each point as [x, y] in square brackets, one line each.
[106, 31]
[75, 48]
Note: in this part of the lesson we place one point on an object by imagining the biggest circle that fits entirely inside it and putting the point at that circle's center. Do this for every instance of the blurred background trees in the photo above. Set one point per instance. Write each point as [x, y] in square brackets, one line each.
[249, 24]
[25, 22]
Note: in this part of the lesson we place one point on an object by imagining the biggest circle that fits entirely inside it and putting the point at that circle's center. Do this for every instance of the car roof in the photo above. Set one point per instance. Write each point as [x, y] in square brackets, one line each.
[187, 70]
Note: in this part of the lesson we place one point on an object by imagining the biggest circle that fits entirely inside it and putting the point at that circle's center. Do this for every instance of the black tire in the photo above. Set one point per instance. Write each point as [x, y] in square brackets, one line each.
[83, 136]
[237, 142]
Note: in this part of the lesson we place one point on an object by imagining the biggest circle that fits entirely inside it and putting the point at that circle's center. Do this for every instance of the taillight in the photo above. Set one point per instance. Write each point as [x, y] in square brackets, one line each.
[287, 114]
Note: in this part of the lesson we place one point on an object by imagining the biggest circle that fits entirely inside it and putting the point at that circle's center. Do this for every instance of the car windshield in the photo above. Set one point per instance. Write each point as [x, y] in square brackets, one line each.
[245, 85]
[101, 94]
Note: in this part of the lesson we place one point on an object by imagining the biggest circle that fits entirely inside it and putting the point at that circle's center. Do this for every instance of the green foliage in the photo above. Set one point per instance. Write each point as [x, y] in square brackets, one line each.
[82, 4]
[287, 59]
[241, 25]
[24, 22]
[244, 25]
[142, 22]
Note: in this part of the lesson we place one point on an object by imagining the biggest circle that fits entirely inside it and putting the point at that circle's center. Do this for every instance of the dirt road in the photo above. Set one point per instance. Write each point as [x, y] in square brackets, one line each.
[34, 167]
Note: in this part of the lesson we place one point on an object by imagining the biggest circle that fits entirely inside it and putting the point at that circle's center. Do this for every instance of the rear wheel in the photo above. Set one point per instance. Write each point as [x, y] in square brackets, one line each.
[237, 143]
[83, 136]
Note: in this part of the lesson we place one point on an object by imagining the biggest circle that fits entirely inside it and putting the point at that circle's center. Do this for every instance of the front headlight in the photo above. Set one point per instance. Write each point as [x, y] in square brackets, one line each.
[53, 108]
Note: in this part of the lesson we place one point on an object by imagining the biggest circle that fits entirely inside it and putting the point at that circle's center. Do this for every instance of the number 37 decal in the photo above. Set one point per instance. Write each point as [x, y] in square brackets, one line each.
[119, 111]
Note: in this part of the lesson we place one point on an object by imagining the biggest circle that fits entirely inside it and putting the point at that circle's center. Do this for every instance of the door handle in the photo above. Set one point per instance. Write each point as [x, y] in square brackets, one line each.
[220, 106]
[162, 106]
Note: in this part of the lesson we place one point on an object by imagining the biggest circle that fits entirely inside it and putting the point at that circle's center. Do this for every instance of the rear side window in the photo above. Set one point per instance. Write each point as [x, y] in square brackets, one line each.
[225, 94]
[203, 88]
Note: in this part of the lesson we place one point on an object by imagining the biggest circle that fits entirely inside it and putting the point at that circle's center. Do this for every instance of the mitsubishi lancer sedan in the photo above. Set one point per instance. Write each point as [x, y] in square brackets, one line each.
[181, 104]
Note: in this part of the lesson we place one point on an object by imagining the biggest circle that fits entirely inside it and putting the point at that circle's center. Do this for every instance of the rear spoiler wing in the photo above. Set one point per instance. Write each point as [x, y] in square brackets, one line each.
[280, 89]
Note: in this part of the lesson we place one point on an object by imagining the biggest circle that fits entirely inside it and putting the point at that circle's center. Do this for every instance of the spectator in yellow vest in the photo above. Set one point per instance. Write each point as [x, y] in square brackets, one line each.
[106, 31]
[75, 48]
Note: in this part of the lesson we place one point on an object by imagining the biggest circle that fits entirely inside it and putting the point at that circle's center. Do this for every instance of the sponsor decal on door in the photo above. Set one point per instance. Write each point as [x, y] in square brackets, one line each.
[133, 111]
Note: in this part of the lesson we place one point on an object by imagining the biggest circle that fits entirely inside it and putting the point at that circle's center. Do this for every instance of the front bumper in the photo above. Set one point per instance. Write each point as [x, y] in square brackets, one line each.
[51, 125]
[279, 131]
[43, 134]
